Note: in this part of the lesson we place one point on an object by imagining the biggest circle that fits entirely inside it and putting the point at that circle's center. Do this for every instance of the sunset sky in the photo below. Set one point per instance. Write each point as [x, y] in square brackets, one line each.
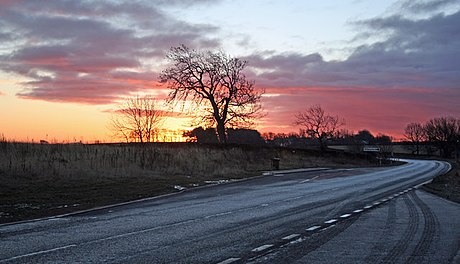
[377, 64]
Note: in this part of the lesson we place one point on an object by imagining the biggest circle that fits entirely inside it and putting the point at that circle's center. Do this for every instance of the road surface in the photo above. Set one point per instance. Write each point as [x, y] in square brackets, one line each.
[367, 215]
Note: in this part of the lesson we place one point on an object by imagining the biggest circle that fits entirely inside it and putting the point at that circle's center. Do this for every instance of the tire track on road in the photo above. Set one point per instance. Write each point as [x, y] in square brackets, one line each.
[384, 238]
[401, 246]
[429, 231]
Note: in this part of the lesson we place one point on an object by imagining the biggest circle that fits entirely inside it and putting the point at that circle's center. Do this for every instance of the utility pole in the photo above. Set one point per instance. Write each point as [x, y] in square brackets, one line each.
[456, 151]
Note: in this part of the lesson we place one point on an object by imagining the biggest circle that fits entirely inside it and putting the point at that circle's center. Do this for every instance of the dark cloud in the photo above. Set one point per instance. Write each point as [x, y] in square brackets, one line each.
[90, 51]
[426, 6]
[410, 75]
[414, 53]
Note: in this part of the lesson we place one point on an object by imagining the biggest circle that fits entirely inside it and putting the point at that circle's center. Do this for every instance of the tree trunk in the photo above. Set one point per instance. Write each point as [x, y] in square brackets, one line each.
[221, 133]
[322, 146]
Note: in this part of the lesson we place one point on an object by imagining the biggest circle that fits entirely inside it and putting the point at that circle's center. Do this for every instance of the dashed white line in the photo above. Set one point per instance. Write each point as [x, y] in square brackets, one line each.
[290, 237]
[367, 206]
[330, 221]
[38, 253]
[313, 228]
[262, 248]
[307, 180]
[228, 261]
[345, 215]
[357, 211]
[326, 228]
[376, 203]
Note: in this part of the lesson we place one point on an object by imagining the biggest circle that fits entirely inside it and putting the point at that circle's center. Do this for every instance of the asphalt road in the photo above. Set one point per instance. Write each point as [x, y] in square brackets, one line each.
[368, 215]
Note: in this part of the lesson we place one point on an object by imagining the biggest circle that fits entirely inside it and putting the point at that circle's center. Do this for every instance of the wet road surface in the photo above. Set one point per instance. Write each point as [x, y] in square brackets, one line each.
[366, 215]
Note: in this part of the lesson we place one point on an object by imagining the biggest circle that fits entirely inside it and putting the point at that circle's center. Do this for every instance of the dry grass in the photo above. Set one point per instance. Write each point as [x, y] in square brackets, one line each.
[448, 185]
[40, 180]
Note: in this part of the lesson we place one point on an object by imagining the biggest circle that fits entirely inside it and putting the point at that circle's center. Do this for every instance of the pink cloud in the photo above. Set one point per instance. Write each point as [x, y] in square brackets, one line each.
[363, 108]
[96, 53]
[77, 52]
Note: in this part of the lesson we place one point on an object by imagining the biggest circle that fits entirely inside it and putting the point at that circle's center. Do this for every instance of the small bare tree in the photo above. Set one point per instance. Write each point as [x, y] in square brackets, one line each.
[214, 83]
[137, 119]
[415, 133]
[319, 125]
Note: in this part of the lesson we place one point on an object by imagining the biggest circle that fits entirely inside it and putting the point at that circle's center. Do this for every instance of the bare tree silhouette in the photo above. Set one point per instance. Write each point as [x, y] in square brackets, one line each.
[444, 132]
[214, 83]
[415, 133]
[137, 119]
[318, 125]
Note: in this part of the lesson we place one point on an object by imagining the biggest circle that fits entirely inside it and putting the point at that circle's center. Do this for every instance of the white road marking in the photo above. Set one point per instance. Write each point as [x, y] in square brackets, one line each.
[138, 232]
[38, 253]
[367, 206]
[376, 203]
[290, 237]
[296, 241]
[326, 228]
[384, 200]
[357, 211]
[228, 261]
[330, 221]
[345, 216]
[307, 180]
[313, 228]
[262, 248]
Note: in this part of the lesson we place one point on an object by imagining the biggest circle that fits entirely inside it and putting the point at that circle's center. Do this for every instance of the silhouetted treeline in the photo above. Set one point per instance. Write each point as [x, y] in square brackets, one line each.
[234, 136]
[438, 136]
[292, 140]
[363, 137]
[441, 134]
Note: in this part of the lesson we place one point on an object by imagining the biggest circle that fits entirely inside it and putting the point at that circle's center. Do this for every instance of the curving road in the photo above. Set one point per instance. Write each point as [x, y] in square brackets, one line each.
[367, 215]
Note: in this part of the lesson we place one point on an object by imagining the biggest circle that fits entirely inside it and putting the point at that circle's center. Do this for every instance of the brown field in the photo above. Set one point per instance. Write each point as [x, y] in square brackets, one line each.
[38, 180]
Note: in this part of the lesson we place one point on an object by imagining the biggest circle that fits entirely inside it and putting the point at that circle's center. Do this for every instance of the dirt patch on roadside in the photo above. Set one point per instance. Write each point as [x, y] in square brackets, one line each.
[28, 199]
[447, 185]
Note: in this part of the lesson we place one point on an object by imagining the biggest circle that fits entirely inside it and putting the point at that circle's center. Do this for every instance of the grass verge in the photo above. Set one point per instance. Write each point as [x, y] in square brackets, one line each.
[447, 185]
[44, 180]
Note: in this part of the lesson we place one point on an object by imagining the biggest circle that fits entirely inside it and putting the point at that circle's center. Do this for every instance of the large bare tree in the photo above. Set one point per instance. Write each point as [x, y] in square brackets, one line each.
[443, 132]
[215, 84]
[137, 119]
[318, 124]
[415, 133]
